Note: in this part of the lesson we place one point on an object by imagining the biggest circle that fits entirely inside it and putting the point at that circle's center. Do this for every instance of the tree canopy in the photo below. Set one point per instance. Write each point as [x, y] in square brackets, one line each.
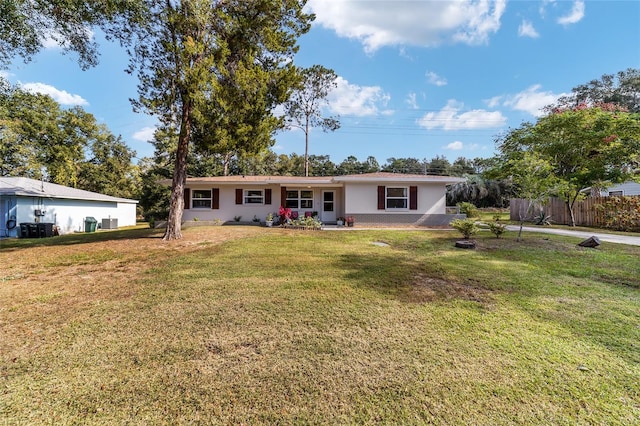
[214, 71]
[304, 109]
[66, 146]
[585, 146]
[621, 89]
[25, 26]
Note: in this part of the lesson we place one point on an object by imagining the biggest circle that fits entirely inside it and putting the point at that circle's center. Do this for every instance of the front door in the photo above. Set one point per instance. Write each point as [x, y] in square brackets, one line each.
[328, 206]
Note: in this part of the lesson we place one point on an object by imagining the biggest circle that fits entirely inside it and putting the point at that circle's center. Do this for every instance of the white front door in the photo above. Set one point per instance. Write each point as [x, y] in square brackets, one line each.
[328, 206]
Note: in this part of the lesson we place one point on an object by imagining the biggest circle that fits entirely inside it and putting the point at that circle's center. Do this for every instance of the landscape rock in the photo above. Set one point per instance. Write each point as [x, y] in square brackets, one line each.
[590, 242]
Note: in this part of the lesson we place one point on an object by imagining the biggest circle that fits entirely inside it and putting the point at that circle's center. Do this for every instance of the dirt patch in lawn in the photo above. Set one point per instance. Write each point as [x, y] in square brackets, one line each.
[425, 289]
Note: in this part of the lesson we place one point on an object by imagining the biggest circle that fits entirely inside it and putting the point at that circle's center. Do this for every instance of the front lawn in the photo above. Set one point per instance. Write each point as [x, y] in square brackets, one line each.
[248, 325]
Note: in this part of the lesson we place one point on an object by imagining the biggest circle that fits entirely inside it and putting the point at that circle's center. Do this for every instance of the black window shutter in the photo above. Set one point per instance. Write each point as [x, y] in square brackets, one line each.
[238, 196]
[267, 196]
[381, 197]
[187, 198]
[215, 198]
[413, 198]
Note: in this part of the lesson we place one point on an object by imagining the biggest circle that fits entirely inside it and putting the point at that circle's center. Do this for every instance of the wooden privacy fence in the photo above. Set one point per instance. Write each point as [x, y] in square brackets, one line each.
[586, 212]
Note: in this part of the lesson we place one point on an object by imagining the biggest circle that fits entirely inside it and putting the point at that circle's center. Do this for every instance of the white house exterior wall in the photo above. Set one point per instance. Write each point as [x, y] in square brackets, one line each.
[69, 215]
[627, 188]
[361, 198]
[229, 210]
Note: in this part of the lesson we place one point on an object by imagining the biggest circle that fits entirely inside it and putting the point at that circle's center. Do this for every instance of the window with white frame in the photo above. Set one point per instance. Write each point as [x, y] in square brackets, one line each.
[201, 199]
[299, 199]
[253, 196]
[397, 197]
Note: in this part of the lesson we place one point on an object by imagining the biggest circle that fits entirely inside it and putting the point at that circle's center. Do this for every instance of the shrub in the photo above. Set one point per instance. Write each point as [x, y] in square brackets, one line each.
[622, 213]
[497, 228]
[467, 227]
[542, 218]
[469, 209]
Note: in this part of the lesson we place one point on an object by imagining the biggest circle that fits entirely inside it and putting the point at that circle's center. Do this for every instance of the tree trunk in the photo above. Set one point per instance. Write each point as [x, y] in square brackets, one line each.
[572, 217]
[176, 204]
[306, 148]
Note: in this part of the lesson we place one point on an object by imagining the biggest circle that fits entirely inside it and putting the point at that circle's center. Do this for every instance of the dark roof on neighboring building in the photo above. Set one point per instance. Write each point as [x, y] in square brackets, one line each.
[25, 187]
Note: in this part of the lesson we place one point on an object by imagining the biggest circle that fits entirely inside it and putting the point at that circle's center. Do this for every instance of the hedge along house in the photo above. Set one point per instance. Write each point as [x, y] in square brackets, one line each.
[24, 200]
[373, 198]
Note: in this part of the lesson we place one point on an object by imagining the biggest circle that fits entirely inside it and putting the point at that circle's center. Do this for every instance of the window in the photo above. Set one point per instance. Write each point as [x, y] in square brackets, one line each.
[616, 193]
[201, 199]
[397, 198]
[302, 199]
[253, 196]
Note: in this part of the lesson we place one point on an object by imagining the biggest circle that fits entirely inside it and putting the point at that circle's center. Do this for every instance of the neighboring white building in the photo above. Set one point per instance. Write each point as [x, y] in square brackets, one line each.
[627, 188]
[24, 200]
[371, 198]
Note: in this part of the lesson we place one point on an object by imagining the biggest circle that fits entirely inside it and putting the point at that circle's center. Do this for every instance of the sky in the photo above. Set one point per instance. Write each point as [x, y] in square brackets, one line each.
[418, 78]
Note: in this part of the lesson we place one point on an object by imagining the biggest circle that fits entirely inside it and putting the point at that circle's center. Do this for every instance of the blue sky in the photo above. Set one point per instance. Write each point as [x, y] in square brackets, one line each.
[416, 78]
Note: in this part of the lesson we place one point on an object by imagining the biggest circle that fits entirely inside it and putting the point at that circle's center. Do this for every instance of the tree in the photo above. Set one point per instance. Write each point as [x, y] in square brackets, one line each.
[26, 25]
[321, 165]
[41, 140]
[462, 166]
[439, 165]
[304, 108]
[404, 165]
[622, 89]
[199, 62]
[533, 181]
[110, 170]
[586, 147]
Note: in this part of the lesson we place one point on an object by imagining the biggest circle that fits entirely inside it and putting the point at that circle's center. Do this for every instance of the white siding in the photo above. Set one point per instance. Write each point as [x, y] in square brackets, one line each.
[229, 209]
[627, 188]
[69, 215]
[362, 198]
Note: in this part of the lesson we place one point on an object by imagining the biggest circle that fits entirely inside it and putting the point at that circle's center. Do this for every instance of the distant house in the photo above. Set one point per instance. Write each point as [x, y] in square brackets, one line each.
[627, 188]
[372, 198]
[24, 200]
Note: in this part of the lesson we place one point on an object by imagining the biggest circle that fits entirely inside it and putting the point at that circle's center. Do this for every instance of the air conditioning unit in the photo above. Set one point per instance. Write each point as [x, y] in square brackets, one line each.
[39, 212]
[109, 223]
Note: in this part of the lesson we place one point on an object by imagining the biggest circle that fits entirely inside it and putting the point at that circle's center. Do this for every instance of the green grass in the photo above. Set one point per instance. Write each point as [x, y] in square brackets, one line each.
[294, 327]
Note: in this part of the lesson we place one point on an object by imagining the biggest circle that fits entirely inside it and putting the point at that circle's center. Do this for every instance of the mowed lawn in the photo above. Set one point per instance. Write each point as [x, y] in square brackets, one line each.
[248, 325]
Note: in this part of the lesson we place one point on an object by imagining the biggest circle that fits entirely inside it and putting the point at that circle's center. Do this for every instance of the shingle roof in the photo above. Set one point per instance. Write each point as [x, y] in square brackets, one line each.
[34, 188]
[364, 177]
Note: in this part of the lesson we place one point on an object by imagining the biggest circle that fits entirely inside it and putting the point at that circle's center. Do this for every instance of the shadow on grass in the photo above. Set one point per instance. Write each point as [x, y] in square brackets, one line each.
[409, 280]
[80, 238]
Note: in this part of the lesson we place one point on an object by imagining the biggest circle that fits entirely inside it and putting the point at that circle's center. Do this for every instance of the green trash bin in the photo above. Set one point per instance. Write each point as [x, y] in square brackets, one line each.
[90, 224]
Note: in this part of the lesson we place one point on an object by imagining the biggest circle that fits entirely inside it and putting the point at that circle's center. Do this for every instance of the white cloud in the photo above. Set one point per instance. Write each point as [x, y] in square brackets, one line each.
[459, 146]
[450, 118]
[526, 29]
[435, 79]
[419, 23]
[351, 99]
[412, 101]
[576, 14]
[145, 134]
[455, 146]
[531, 100]
[60, 96]
[5, 74]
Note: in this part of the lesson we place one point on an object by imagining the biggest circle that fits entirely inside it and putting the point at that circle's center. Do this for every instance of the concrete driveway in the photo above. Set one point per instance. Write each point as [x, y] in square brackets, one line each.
[610, 238]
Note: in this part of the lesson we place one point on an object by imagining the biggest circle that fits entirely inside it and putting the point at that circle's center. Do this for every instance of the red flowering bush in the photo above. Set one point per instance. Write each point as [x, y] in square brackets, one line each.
[285, 214]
